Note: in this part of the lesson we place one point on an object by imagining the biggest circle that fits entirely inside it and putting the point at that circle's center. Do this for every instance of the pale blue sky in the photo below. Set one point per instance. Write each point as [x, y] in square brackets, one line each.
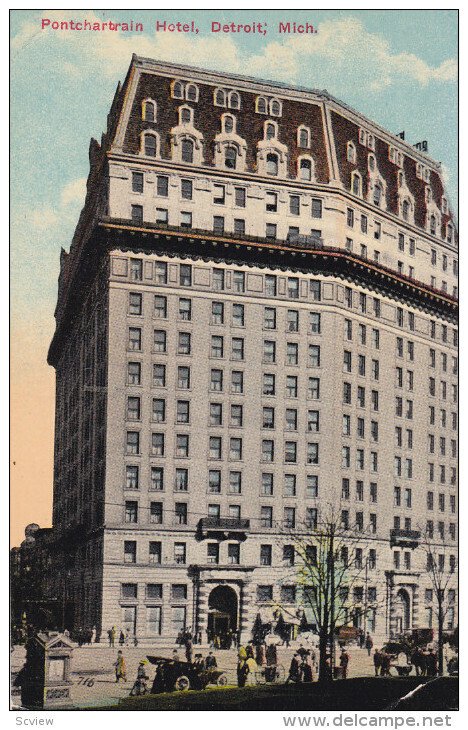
[397, 67]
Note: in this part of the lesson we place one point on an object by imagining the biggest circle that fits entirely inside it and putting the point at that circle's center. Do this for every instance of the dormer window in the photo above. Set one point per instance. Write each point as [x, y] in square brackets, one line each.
[185, 115]
[270, 130]
[303, 137]
[305, 170]
[356, 185]
[228, 121]
[187, 150]
[230, 158]
[377, 195]
[433, 225]
[177, 90]
[148, 110]
[261, 105]
[401, 179]
[362, 136]
[150, 145]
[234, 100]
[351, 152]
[405, 208]
[371, 141]
[449, 233]
[220, 97]
[272, 164]
[444, 206]
[428, 195]
[371, 162]
[191, 92]
[275, 108]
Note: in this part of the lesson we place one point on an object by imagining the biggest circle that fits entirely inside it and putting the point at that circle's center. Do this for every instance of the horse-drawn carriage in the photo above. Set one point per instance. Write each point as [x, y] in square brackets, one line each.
[173, 675]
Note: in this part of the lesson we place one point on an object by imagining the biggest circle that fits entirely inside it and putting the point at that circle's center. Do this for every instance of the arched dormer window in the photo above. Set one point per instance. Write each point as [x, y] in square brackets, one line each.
[433, 225]
[233, 100]
[305, 168]
[303, 137]
[377, 196]
[371, 141]
[149, 144]
[351, 152]
[449, 233]
[371, 162]
[270, 130]
[185, 115]
[356, 184]
[444, 206]
[272, 164]
[275, 108]
[228, 123]
[177, 90]
[187, 150]
[405, 209]
[261, 105]
[148, 110]
[220, 97]
[230, 157]
[191, 92]
[428, 195]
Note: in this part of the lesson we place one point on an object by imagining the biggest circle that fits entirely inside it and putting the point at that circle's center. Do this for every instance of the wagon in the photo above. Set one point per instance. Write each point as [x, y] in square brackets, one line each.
[179, 676]
[270, 674]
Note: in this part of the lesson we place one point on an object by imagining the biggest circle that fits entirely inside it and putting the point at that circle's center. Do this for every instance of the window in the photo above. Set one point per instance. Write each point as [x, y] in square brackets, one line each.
[314, 356]
[305, 170]
[157, 478]
[186, 189]
[181, 480]
[215, 447]
[238, 281]
[238, 315]
[217, 346]
[137, 182]
[159, 410]
[316, 208]
[235, 482]
[137, 214]
[183, 411]
[180, 556]
[239, 197]
[268, 450]
[187, 150]
[155, 553]
[150, 145]
[134, 373]
[234, 553]
[133, 408]
[268, 384]
[294, 204]
[266, 516]
[267, 485]
[272, 164]
[239, 226]
[235, 449]
[265, 554]
[230, 157]
[237, 348]
[312, 453]
[180, 513]
[268, 417]
[131, 511]
[270, 285]
[160, 307]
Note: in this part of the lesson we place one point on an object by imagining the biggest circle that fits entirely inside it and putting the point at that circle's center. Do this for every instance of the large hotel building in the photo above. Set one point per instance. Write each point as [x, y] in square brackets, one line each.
[256, 325]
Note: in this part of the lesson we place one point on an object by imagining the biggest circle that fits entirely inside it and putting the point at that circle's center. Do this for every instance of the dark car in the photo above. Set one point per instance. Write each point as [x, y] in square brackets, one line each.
[178, 676]
[440, 693]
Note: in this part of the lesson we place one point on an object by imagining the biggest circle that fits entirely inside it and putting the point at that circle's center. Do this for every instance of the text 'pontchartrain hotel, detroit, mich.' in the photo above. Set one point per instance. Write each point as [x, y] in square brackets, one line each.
[256, 324]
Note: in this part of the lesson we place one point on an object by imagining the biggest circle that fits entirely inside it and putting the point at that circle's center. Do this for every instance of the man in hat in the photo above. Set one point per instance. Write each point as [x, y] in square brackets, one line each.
[139, 687]
[210, 661]
[344, 661]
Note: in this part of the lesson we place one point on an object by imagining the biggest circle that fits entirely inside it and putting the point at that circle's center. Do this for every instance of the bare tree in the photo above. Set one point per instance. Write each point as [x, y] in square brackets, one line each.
[330, 571]
[437, 553]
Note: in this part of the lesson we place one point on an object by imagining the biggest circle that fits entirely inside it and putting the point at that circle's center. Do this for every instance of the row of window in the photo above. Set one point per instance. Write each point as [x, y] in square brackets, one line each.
[234, 482]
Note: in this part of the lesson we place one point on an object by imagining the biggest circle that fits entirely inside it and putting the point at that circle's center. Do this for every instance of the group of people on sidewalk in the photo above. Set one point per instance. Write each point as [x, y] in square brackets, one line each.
[125, 637]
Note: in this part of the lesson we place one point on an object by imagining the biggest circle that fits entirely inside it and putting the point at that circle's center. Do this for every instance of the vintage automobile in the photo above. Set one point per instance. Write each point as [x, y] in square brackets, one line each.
[179, 676]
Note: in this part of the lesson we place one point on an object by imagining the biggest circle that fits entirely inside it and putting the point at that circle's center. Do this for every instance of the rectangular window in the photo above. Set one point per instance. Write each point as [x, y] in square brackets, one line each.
[160, 307]
[316, 208]
[239, 197]
[294, 204]
[186, 189]
[239, 226]
[131, 511]
[134, 373]
[162, 216]
[162, 186]
[270, 285]
[185, 275]
[157, 478]
[137, 214]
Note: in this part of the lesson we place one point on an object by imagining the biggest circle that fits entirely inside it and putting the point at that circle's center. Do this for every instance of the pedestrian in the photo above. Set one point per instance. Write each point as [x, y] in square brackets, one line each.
[249, 650]
[431, 664]
[242, 672]
[344, 661]
[260, 654]
[93, 635]
[252, 665]
[423, 662]
[369, 644]
[307, 670]
[199, 662]
[120, 668]
[385, 664]
[122, 638]
[139, 686]
[210, 661]
[377, 662]
[189, 650]
[111, 635]
[294, 669]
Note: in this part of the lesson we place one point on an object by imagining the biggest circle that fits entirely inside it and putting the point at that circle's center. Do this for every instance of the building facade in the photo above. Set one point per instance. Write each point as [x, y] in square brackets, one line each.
[256, 325]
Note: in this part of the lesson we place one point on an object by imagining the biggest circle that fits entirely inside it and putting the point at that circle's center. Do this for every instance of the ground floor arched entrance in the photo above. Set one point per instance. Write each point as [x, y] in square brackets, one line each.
[402, 611]
[222, 612]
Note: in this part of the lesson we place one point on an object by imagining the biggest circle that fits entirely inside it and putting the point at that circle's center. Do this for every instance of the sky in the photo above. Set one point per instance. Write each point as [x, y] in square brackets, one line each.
[397, 67]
